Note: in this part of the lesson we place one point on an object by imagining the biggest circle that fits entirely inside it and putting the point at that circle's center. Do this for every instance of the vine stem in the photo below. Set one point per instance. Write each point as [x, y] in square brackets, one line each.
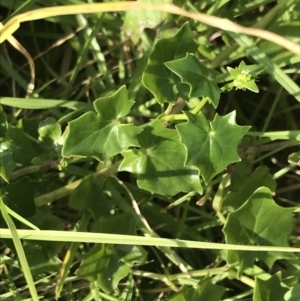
[200, 105]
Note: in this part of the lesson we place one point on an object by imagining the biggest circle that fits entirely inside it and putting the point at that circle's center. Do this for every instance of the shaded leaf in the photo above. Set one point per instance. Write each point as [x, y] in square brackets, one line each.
[158, 79]
[269, 290]
[159, 164]
[20, 196]
[211, 146]
[260, 177]
[31, 125]
[205, 291]
[108, 264]
[200, 79]
[89, 196]
[260, 221]
[102, 135]
[25, 147]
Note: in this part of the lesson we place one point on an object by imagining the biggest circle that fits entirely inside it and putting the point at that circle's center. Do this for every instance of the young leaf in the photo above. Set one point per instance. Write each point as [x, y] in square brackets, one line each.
[244, 76]
[204, 291]
[260, 221]
[200, 79]
[102, 135]
[211, 146]
[159, 164]
[269, 290]
[157, 77]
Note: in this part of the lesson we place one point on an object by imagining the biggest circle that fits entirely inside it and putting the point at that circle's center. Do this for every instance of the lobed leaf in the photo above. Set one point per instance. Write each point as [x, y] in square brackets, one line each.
[211, 146]
[199, 78]
[157, 78]
[102, 135]
[159, 164]
[260, 221]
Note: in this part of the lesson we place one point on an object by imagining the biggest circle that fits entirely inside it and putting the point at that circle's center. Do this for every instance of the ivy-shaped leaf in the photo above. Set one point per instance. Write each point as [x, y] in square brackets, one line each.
[269, 290]
[205, 291]
[260, 221]
[163, 83]
[211, 146]
[200, 79]
[159, 164]
[102, 135]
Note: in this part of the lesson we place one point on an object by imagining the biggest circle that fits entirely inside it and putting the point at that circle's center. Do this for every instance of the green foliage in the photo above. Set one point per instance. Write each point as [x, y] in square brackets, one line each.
[105, 135]
[260, 222]
[211, 146]
[148, 126]
[164, 84]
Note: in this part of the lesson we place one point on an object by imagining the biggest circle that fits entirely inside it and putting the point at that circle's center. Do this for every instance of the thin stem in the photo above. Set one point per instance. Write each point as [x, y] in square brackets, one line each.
[170, 118]
[150, 231]
[200, 105]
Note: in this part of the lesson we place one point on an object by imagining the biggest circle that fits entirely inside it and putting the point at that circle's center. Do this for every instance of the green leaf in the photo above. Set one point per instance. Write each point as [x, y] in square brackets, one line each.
[294, 158]
[200, 79]
[293, 294]
[211, 146]
[137, 20]
[246, 187]
[252, 70]
[108, 264]
[25, 147]
[269, 290]
[101, 264]
[50, 132]
[31, 126]
[7, 163]
[89, 196]
[3, 123]
[244, 76]
[102, 135]
[159, 164]
[260, 221]
[157, 78]
[205, 291]
[20, 196]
